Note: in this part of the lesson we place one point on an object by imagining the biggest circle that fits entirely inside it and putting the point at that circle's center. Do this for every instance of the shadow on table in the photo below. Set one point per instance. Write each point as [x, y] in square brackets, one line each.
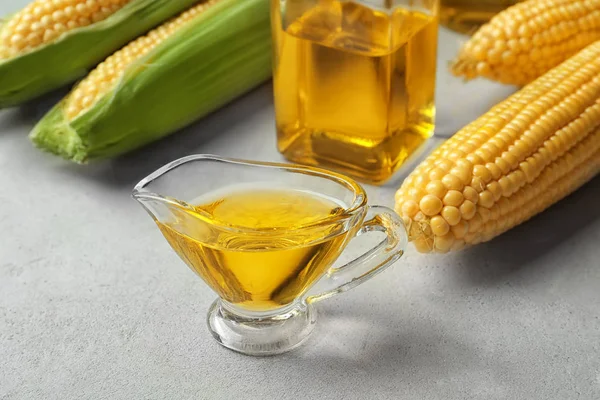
[28, 114]
[494, 261]
[365, 347]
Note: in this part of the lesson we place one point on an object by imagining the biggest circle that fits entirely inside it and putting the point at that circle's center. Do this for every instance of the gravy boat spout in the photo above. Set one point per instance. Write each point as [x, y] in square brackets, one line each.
[168, 190]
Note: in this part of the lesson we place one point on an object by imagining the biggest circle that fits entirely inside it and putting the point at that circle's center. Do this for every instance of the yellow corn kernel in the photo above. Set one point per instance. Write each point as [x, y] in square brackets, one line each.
[453, 198]
[106, 75]
[527, 152]
[44, 21]
[443, 243]
[523, 42]
[436, 188]
[451, 215]
[439, 226]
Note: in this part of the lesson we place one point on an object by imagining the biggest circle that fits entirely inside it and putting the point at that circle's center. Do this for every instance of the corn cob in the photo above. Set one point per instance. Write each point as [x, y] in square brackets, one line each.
[41, 22]
[50, 43]
[528, 39]
[163, 81]
[522, 156]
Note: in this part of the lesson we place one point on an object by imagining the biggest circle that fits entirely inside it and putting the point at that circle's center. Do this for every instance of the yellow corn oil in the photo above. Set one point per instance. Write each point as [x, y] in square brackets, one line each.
[466, 16]
[353, 84]
[260, 248]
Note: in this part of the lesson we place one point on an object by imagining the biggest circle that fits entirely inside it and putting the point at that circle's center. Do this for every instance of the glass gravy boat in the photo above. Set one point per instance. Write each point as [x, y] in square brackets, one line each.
[268, 277]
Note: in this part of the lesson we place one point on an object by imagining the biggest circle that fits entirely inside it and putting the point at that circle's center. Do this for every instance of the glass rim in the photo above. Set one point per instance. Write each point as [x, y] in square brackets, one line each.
[359, 201]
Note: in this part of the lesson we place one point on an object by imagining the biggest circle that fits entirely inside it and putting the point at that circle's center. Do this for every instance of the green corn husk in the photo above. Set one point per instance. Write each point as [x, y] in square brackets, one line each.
[222, 53]
[68, 58]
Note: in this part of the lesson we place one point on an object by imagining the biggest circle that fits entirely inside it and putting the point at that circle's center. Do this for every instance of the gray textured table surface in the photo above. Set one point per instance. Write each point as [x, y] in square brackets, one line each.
[94, 305]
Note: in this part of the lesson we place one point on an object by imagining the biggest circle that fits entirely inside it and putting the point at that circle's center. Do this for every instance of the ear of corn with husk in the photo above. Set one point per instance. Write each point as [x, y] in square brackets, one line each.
[51, 43]
[526, 40]
[163, 81]
[525, 154]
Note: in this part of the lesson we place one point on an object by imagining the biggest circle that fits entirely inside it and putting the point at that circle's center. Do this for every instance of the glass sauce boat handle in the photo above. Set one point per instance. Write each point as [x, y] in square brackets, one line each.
[374, 261]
